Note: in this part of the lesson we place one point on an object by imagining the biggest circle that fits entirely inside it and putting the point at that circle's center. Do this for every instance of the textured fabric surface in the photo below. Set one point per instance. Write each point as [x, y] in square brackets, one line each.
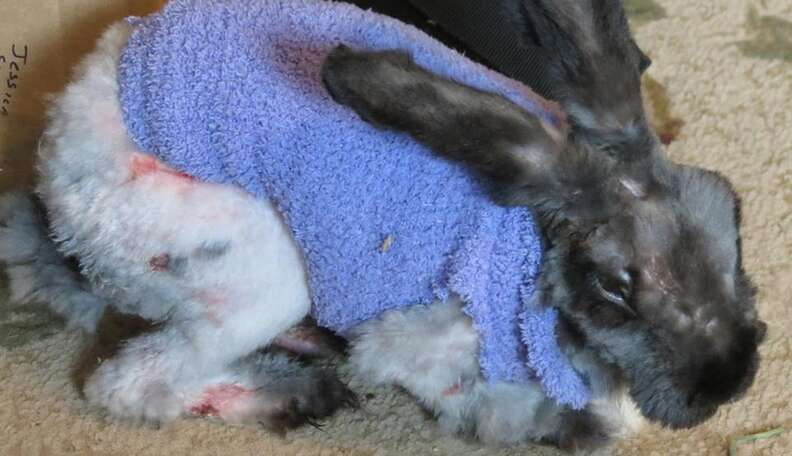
[727, 72]
[265, 122]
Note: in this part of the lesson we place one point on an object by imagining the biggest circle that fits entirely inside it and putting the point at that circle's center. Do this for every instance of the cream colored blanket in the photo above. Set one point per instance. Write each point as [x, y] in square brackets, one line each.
[720, 89]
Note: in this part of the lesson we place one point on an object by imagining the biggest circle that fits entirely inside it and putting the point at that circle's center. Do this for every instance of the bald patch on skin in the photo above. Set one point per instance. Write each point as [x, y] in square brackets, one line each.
[634, 187]
[655, 273]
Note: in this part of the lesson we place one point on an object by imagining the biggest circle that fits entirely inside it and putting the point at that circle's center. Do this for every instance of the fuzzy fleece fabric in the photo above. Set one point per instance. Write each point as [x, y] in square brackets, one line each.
[719, 91]
[230, 92]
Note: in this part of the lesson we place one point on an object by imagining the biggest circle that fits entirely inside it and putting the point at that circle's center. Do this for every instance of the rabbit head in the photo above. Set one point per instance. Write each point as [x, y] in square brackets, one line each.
[645, 258]
[643, 255]
[644, 262]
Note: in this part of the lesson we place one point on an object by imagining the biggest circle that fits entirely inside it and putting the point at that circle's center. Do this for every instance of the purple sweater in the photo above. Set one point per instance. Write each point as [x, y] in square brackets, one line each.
[229, 92]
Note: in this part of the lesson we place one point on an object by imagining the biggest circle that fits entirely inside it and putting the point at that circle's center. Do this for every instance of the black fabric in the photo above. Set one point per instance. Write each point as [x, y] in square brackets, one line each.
[487, 28]
[509, 36]
[404, 11]
[477, 28]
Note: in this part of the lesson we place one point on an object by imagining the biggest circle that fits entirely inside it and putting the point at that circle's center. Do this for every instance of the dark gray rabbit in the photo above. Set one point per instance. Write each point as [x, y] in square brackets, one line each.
[644, 256]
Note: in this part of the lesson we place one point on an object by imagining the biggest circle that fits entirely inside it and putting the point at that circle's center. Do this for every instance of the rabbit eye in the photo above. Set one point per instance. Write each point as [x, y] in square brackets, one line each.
[616, 289]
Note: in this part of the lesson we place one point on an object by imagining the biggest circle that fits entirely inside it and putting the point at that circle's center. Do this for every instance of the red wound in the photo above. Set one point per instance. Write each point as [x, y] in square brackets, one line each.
[159, 263]
[142, 165]
[216, 398]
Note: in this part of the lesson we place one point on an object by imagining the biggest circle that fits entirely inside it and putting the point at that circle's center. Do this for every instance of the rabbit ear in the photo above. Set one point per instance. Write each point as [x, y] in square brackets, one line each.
[713, 208]
[596, 72]
[527, 160]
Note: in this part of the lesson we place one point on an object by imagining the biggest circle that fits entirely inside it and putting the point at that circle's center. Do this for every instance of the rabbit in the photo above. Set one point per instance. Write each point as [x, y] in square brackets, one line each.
[642, 256]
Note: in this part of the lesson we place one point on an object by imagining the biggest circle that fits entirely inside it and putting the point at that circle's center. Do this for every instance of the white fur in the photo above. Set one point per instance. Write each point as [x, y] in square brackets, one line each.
[431, 351]
[218, 310]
